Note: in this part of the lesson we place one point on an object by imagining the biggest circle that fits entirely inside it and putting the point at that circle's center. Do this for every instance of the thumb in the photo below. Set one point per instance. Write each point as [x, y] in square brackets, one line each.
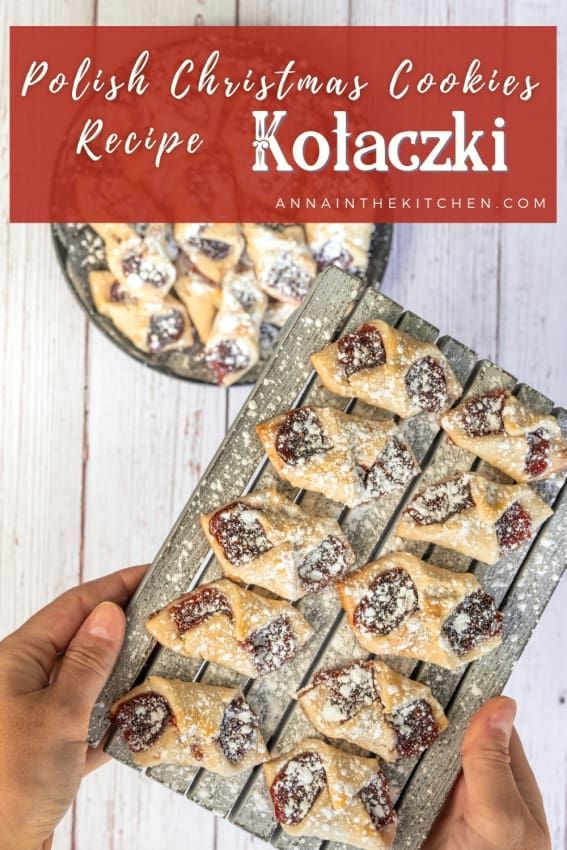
[89, 659]
[489, 781]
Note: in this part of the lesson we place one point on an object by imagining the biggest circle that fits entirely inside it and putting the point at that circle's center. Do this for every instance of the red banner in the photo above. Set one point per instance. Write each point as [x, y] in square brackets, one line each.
[283, 124]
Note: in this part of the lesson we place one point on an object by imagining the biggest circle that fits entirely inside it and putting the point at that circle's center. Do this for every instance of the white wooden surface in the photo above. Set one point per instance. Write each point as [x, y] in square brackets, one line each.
[98, 456]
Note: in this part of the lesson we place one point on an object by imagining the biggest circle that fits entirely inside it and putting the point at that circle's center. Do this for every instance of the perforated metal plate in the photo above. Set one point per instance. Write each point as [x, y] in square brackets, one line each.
[521, 583]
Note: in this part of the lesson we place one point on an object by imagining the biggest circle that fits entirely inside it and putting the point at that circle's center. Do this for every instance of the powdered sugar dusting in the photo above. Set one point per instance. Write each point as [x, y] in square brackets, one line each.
[441, 501]
[392, 597]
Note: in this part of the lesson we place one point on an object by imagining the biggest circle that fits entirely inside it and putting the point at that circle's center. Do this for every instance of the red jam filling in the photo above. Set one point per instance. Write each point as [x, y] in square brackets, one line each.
[272, 646]
[197, 606]
[375, 797]
[426, 385]
[392, 597]
[213, 248]
[238, 730]
[246, 295]
[482, 415]
[135, 264]
[537, 458]
[117, 293]
[362, 349]
[288, 277]
[197, 752]
[325, 564]
[297, 786]
[439, 502]
[415, 726]
[394, 468]
[513, 528]
[165, 329]
[226, 357]
[300, 436]
[474, 620]
[236, 528]
[332, 253]
[351, 688]
[142, 720]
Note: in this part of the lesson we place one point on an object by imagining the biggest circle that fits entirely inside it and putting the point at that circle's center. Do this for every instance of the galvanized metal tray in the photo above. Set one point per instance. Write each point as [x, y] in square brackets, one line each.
[79, 251]
[521, 583]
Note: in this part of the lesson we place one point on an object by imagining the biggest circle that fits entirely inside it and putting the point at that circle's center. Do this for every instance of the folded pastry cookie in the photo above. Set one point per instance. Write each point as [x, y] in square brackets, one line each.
[114, 231]
[142, 266]
[167, 721]
[201, 298]
[152, 327]
[278, 312]
[284, 266]
[349, 459]
[233, 344]
[370, 705]
[339, 244]
[399, 605]
[526, 445]
[472, 515]
[323, 792]
[214, 249]
[228, 625]
[267, 540]
[107, 291]
[388, 368]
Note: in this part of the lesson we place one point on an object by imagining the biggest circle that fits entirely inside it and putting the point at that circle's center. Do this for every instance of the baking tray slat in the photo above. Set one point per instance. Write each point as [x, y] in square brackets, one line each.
[337, 304]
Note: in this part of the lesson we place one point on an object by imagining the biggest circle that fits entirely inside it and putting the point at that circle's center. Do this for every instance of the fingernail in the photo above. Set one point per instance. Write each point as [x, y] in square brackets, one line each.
[503, 715]
[105, 622]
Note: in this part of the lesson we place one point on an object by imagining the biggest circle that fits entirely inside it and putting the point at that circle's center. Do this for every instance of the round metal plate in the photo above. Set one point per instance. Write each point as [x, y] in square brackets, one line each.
[80, 251]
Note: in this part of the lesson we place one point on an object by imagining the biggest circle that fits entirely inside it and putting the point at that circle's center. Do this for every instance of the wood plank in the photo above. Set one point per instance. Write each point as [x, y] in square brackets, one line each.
[444, 272]
[541, 721]
[288, 13]
[41, 396]
[428, 13]
[174, 13]
[120, 814]
[533, 306]
[41, 427]
[534, 257]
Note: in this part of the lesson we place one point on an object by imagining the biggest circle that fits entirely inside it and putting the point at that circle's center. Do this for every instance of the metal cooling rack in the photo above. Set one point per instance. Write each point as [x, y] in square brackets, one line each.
[521, 583]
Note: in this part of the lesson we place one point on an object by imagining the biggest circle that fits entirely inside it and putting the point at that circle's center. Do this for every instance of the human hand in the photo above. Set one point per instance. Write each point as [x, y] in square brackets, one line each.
[52, 670]
[495, 803]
